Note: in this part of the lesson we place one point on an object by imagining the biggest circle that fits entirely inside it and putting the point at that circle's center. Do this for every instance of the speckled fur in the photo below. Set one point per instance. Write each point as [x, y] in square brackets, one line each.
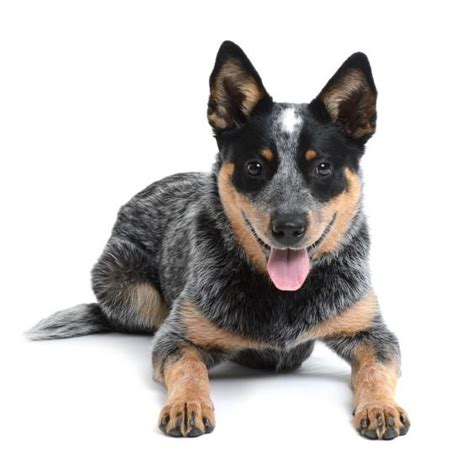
[175, 237]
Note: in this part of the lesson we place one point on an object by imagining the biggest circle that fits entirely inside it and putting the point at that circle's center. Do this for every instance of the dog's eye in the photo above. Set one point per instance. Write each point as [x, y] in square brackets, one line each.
[254, 168]
[323, 169]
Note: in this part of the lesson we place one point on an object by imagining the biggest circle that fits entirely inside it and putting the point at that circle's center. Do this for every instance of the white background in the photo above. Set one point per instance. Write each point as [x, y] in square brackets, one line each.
[98, 99]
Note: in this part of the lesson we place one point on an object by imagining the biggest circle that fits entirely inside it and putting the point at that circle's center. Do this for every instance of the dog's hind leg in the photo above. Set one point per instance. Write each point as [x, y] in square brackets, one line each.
[126, 283]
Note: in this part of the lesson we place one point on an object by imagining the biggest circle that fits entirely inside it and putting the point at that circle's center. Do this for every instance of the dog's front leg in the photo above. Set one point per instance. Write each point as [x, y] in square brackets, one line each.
[183, 367]
[184, 348]
[374, 356]
[376, 414]
[189, 411]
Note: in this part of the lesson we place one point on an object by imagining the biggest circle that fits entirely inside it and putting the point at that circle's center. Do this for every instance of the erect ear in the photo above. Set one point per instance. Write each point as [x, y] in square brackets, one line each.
[348, 99]
[236, 88]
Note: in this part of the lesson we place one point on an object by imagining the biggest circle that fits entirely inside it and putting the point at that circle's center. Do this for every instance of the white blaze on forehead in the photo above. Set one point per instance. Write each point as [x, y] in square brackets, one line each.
[289, 120]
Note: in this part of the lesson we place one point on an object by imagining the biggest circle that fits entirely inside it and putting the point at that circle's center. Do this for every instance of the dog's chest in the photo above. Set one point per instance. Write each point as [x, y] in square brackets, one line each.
[276, 323]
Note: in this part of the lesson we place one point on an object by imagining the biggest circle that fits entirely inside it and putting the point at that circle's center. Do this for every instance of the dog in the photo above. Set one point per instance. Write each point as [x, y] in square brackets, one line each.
[257, 260]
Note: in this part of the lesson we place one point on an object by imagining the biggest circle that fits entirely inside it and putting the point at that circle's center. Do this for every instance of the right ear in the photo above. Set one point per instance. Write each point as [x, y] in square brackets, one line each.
[236, 88]
[348, 100]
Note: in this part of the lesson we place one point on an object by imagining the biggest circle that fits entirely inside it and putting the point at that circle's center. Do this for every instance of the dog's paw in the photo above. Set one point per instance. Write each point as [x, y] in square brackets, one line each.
[187, 418]
[381, 421]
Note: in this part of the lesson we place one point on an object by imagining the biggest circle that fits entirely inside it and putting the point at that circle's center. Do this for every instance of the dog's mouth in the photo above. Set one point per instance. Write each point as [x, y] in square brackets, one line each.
[289, 267]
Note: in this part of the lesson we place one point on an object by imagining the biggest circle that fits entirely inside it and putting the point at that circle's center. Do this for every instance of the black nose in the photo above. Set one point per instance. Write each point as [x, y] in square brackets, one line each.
[288, 229]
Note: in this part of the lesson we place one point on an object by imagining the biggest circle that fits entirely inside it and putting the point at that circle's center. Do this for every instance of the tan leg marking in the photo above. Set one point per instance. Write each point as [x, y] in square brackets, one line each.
[234, 204]
[376, 414]
[204, 333]
[148, 304]
[189, 411]
[355, 319]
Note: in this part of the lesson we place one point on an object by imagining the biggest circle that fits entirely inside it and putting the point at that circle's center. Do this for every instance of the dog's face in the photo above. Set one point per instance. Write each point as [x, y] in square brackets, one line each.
[288, 178]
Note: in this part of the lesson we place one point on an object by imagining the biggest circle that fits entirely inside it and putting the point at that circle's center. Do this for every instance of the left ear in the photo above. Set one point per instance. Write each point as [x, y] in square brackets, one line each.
[348, 99]
[235, 89]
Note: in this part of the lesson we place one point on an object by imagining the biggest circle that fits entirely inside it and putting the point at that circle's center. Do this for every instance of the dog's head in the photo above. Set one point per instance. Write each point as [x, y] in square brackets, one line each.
[288, 175]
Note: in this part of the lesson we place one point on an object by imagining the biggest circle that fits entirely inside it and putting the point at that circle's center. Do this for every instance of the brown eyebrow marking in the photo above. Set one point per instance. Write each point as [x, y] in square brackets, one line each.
[266, 153]
[311, 154]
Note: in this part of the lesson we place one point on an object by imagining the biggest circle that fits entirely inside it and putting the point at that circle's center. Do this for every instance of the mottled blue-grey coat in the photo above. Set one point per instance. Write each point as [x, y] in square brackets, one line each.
[188, 258]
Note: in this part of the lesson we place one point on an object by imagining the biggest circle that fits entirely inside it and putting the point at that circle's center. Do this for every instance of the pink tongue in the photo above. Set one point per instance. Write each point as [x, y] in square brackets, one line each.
[288, 268]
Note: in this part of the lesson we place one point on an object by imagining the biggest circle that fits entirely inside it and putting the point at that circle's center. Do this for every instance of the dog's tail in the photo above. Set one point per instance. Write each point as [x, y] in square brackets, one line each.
[79, 320]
